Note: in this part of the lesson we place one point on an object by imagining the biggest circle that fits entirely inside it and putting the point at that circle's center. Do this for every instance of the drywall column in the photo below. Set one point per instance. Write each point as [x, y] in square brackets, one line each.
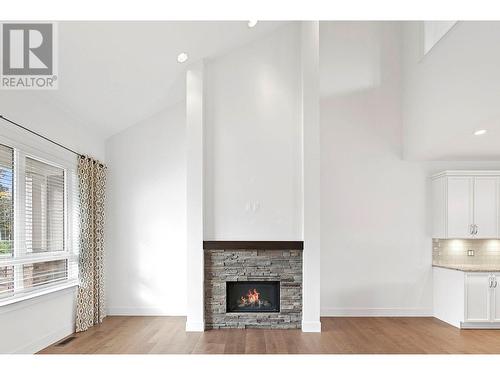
[194, 214]
[311, 175]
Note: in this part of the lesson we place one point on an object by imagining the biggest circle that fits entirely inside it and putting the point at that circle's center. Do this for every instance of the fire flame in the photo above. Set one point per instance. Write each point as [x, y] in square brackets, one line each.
[252, 298]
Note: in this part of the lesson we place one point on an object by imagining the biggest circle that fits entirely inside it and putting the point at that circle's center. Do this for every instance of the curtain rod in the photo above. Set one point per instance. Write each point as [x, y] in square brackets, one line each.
[39, 135]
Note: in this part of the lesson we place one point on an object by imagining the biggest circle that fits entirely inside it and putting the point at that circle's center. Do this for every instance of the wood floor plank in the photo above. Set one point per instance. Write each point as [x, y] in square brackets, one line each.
[255, 342]
[235, 341]
[372, 335]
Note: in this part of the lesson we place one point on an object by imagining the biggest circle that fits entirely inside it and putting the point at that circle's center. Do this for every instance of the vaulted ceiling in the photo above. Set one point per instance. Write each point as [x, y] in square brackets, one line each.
[115, 74]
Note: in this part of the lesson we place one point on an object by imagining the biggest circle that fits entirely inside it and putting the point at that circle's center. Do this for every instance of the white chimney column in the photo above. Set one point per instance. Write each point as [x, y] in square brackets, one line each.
[194, 198]
[310, 176]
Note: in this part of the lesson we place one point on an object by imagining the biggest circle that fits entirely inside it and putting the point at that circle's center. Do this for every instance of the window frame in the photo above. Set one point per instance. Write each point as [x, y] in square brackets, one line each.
[9, 256]
[19, 257]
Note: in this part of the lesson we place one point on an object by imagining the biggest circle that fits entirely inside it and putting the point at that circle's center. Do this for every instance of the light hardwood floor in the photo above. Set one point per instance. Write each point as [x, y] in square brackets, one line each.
[137, 335]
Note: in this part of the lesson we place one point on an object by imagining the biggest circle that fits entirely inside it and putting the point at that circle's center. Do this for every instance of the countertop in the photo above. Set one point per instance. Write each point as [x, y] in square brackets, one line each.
[470, 267]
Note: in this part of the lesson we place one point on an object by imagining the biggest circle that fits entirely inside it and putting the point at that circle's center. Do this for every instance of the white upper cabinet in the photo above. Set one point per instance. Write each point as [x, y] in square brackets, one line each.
[486, 207]
[465, 204]
[439, 208]
[459, 207]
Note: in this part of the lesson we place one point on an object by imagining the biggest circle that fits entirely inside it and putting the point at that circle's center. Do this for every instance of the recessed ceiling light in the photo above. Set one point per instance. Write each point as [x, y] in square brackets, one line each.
[252, 23]
[182, 57]
[480, 132]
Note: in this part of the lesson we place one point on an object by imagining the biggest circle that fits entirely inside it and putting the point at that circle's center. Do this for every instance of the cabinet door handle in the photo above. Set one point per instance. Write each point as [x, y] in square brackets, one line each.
[470, 229]
[490, 282]
[476, 228]
[493, 282]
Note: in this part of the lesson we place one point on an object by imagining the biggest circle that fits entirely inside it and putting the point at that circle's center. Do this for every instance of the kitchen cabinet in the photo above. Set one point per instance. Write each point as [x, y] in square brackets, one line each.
[465, 204]
[467, 299]
[478, 297]
[485, 207]
[459, 212]
[495, 299]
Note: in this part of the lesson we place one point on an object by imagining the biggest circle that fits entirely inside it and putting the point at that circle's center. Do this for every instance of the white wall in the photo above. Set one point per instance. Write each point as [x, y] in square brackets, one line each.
[433, 32]
[374, 253]
[375, 221]
[253, 141]
[36, 111]
[31, 325]
[451, 92]
[146, 217]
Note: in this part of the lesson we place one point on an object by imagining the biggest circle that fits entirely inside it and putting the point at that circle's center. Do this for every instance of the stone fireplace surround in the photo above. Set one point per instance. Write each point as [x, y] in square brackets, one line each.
[253, 261]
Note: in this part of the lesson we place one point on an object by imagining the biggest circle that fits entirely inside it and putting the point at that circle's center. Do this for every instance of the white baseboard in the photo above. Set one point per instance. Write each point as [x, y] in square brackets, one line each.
[311, 326]
[376, 311]
[43, 342]
[141, 311]
[486, 325]
[192, 326]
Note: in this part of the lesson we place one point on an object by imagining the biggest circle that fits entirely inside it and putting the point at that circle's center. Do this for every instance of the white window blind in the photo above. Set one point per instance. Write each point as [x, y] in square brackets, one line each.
[38, 225]
[6, 219]
[44, 207]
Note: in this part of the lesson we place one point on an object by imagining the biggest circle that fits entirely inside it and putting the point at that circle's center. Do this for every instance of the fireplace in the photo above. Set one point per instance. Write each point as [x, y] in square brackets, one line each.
[252, 296]
[232, 272]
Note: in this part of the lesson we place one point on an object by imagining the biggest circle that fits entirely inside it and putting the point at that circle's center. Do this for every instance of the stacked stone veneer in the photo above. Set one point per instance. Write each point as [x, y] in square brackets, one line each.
[253, 265]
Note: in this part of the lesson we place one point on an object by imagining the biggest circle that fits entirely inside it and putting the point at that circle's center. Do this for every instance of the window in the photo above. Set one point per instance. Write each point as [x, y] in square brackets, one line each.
[44, 207]
[38, 252]
[6, 200]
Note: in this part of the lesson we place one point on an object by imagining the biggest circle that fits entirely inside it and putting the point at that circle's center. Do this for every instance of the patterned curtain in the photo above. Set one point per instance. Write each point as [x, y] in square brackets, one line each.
[90, 303]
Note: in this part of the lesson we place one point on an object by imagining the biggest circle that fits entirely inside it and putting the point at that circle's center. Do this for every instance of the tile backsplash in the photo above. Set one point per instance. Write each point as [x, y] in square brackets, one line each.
[454, 252]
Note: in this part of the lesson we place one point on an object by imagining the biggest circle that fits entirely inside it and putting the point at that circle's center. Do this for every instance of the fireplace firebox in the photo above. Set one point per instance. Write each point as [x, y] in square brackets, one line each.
[253, 296]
